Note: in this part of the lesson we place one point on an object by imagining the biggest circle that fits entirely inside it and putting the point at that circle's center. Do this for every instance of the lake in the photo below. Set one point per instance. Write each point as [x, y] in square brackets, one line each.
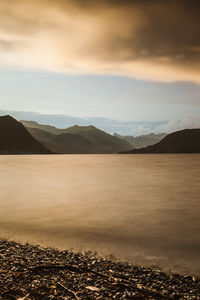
[139, 208]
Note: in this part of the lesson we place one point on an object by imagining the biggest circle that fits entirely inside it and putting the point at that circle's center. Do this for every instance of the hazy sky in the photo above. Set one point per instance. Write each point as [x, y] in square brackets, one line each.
[120, 59]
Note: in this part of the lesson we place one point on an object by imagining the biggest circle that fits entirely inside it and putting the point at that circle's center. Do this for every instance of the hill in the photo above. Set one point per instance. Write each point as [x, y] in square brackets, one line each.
[183, 141]
[77, 139]
[142, 140]
[15, 139]
[62, 143]
[102, 141]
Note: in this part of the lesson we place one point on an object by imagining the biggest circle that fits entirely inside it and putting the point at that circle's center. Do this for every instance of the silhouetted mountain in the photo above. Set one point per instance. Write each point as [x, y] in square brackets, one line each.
[142, 140]
[62, 143]
[15, 139]
[77, 139]
[183, 141]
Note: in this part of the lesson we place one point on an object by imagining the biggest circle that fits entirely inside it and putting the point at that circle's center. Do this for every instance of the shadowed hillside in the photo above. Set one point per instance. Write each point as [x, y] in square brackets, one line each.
[76, 139]
[102, 141]
[184, 141]
[15, 139]
[62, 143]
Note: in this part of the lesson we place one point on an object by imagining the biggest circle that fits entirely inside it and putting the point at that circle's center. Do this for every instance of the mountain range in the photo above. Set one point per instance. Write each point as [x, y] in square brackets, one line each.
[106, 124]
[76, 139]
[15, 139]
[142, 140]
[183, 141]
[29, 137]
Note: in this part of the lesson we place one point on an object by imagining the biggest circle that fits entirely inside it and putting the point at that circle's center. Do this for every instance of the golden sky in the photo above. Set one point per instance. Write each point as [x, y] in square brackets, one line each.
[145, 39]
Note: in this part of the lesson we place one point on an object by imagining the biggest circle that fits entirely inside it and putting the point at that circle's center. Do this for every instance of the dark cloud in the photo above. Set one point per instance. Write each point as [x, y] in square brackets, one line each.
[169, 29]
[120, 35]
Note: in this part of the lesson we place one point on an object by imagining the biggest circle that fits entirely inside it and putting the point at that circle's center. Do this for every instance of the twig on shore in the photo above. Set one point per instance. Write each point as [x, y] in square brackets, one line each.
[70, 291]
[24, 298]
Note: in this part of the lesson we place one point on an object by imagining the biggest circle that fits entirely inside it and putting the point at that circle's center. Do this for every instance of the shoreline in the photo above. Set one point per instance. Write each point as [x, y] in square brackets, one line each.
[34, 272]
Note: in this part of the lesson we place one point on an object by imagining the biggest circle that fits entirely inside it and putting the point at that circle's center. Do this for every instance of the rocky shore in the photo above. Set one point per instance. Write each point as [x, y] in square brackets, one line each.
[33, 272]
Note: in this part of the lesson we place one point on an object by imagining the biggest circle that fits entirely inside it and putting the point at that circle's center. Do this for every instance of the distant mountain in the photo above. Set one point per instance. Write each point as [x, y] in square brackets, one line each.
[62, 143]
[106, 124]
[142, 140]
[77, 139]
[15, 139]
[183, 141]
[102, 142]
[47, 128]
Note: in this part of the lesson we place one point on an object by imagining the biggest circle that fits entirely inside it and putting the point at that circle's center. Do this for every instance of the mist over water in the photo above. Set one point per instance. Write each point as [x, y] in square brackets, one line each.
[140, 208]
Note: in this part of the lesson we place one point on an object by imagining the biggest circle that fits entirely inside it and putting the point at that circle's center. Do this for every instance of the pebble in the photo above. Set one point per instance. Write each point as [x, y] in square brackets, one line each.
[29, 272]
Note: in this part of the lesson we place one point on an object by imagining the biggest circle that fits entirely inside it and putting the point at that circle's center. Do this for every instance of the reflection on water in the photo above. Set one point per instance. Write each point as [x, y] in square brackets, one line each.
[141, 208]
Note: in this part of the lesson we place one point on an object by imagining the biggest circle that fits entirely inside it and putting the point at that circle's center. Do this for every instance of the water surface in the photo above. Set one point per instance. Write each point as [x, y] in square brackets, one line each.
[140, 208]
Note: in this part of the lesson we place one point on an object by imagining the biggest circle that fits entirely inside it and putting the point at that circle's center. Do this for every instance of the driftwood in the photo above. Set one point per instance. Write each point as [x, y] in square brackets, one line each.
[58, 267]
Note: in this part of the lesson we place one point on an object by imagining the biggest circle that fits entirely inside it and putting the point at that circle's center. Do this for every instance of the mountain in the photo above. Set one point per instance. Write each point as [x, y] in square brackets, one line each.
[183, 141]
[77, 139]
[15, 139]
[62, 143]
[142, 140]
[47, 128]
[102, 141]
[105, 124]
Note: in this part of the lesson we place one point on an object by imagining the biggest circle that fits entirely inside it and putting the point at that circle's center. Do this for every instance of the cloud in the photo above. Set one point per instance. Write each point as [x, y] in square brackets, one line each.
[156, 40]
[189, 122]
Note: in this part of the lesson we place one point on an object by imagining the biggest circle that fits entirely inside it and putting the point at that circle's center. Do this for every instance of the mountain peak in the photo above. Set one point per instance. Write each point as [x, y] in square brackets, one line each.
[7, 117]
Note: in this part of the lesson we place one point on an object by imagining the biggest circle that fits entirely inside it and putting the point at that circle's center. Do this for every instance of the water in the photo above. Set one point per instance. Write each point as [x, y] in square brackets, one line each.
[139, 208]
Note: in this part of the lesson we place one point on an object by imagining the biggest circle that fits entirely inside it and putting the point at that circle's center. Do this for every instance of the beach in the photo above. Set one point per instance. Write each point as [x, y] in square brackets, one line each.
[34, 272]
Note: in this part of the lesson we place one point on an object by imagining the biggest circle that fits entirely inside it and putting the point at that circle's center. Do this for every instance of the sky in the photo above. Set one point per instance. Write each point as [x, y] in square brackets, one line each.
[127, 61]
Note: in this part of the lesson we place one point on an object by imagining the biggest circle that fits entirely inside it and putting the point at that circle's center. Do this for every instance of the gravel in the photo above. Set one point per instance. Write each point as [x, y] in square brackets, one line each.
[33, 272]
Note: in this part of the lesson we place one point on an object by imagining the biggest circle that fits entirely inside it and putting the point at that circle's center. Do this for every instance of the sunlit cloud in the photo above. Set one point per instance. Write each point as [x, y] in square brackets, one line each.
[189, 121]
[155, 40]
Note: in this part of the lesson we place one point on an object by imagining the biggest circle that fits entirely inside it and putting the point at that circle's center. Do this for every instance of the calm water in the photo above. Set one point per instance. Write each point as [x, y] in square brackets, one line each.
[140, 208]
